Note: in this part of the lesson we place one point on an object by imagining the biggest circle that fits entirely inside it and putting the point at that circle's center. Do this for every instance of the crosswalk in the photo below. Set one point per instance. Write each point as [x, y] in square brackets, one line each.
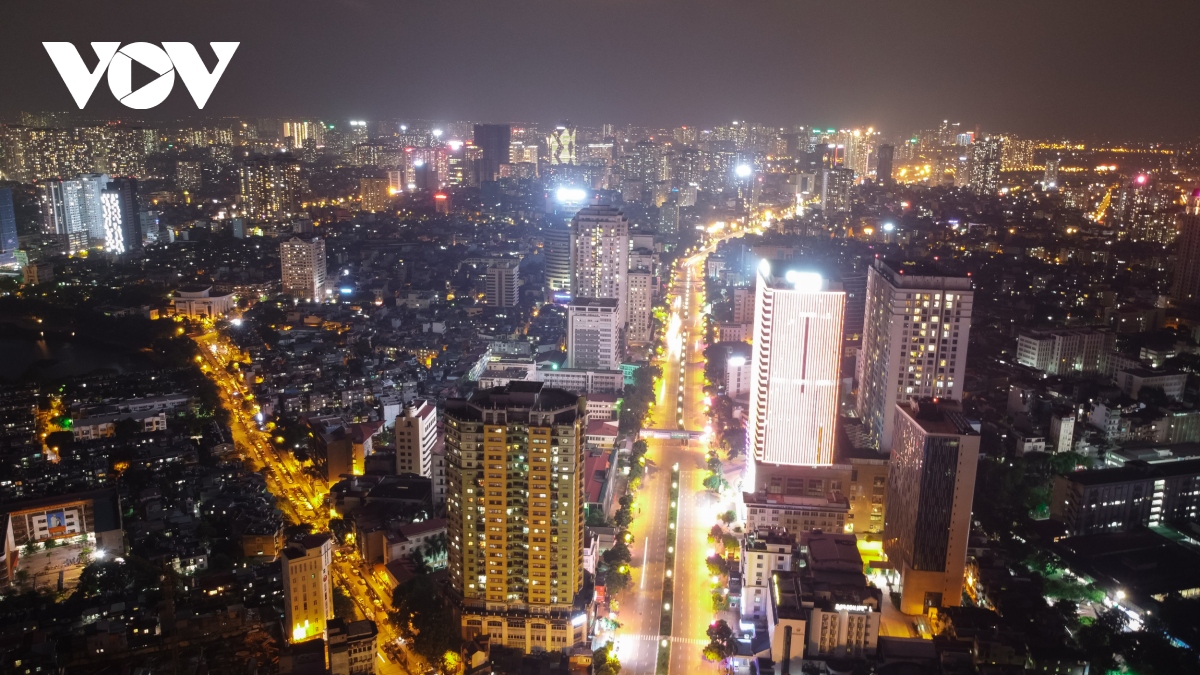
[656, 638]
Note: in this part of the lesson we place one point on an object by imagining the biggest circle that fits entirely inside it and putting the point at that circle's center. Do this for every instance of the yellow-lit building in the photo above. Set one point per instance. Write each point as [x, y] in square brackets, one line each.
[515, 508]
[375, 193]
[307, 587]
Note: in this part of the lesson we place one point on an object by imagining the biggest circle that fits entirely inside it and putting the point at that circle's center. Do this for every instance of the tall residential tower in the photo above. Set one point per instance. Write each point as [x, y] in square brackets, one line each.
[914, 343]
[515, 509]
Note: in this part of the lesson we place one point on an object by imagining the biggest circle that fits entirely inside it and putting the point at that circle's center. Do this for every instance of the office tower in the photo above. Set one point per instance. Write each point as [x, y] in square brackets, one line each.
[375, 194]
[416, 436]
[641, 306]
[307, 587]
[303, 268]
[593, 334]
[503, 283]
[82, 211]
[557, 251]
[983, 165]
[493, 141]
[796, 357]
[8, 227]
[122, 225]
[600, 255]
[514, 456]
[188, 177]
[915, 337]
[269, 187]
[883, 168]
[1185, 287]
[931, 483]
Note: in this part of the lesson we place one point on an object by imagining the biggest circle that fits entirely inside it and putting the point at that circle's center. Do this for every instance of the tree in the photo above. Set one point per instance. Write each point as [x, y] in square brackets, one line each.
[343, 606]
[604, 662]
[424, 617]
[721, 644]
[617, 555]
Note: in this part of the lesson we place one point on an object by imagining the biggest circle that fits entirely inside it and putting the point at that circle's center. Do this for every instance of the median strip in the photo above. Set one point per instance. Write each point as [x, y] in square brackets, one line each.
[668, 592]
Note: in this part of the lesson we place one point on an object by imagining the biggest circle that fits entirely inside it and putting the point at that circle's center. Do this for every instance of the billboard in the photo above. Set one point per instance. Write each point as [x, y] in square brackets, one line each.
[561, 145]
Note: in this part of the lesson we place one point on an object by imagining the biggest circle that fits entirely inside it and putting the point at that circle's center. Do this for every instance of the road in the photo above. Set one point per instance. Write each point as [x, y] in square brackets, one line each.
[680, 405]
[300, 495]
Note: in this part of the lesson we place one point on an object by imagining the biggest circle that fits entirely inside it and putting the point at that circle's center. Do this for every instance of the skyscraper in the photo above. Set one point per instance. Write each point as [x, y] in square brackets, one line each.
[8, 227]
[915, 337]
[515, 508]
[122, 228]
[503, 283]
[930, 485]
[883, 170]
[1185, 287]
[593, 334]
[83, 212]
[641, 306]
[493, 141]
[53, 208]
[983, 165]
[307, 587]
[556, 248]
[303, 268]
[375, 194]
[600, 256]
[795, 359]
[269, 187]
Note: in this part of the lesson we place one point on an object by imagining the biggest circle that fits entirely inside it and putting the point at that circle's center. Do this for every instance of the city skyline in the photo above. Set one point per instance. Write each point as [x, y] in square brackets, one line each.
[1027, 69]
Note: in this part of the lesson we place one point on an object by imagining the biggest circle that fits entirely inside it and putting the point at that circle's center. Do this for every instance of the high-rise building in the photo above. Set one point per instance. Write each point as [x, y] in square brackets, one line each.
[515, 510]
[269, 187]
[375, 194]
[640, 328]
[1185, 287]
[915, 337]
[600, 255]
[795, 359]
[885, 155]
[983, 164]
[303, 268]
[668, 218]
[8, 227]
[307, 587]
[82, 211]
[493, 141]
[188, 177]
[53, 208]
[122, 227]
[557, 251]
[837, 190]
[593, 334]
[930, 485]
[503, 283]
[416, 436]
[1050, 177]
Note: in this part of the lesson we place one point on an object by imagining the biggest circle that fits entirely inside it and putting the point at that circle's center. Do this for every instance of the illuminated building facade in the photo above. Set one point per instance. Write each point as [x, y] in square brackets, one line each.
[557, 247]
[515, 507]
[375, 194]
[8, 227]
[796, 358]
[983, 165]
[915, 338]
[1186, 285]
[416, 436]
[269, 187]
[641, 307]
[303, 268]
[593, 334]
[600, 255]
[930, 487]
[118, 205]
[307, 587]
[503, 283]
[82, 211]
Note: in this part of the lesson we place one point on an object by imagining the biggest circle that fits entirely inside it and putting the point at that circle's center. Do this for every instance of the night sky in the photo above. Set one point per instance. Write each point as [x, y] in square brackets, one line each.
[1098, 69]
